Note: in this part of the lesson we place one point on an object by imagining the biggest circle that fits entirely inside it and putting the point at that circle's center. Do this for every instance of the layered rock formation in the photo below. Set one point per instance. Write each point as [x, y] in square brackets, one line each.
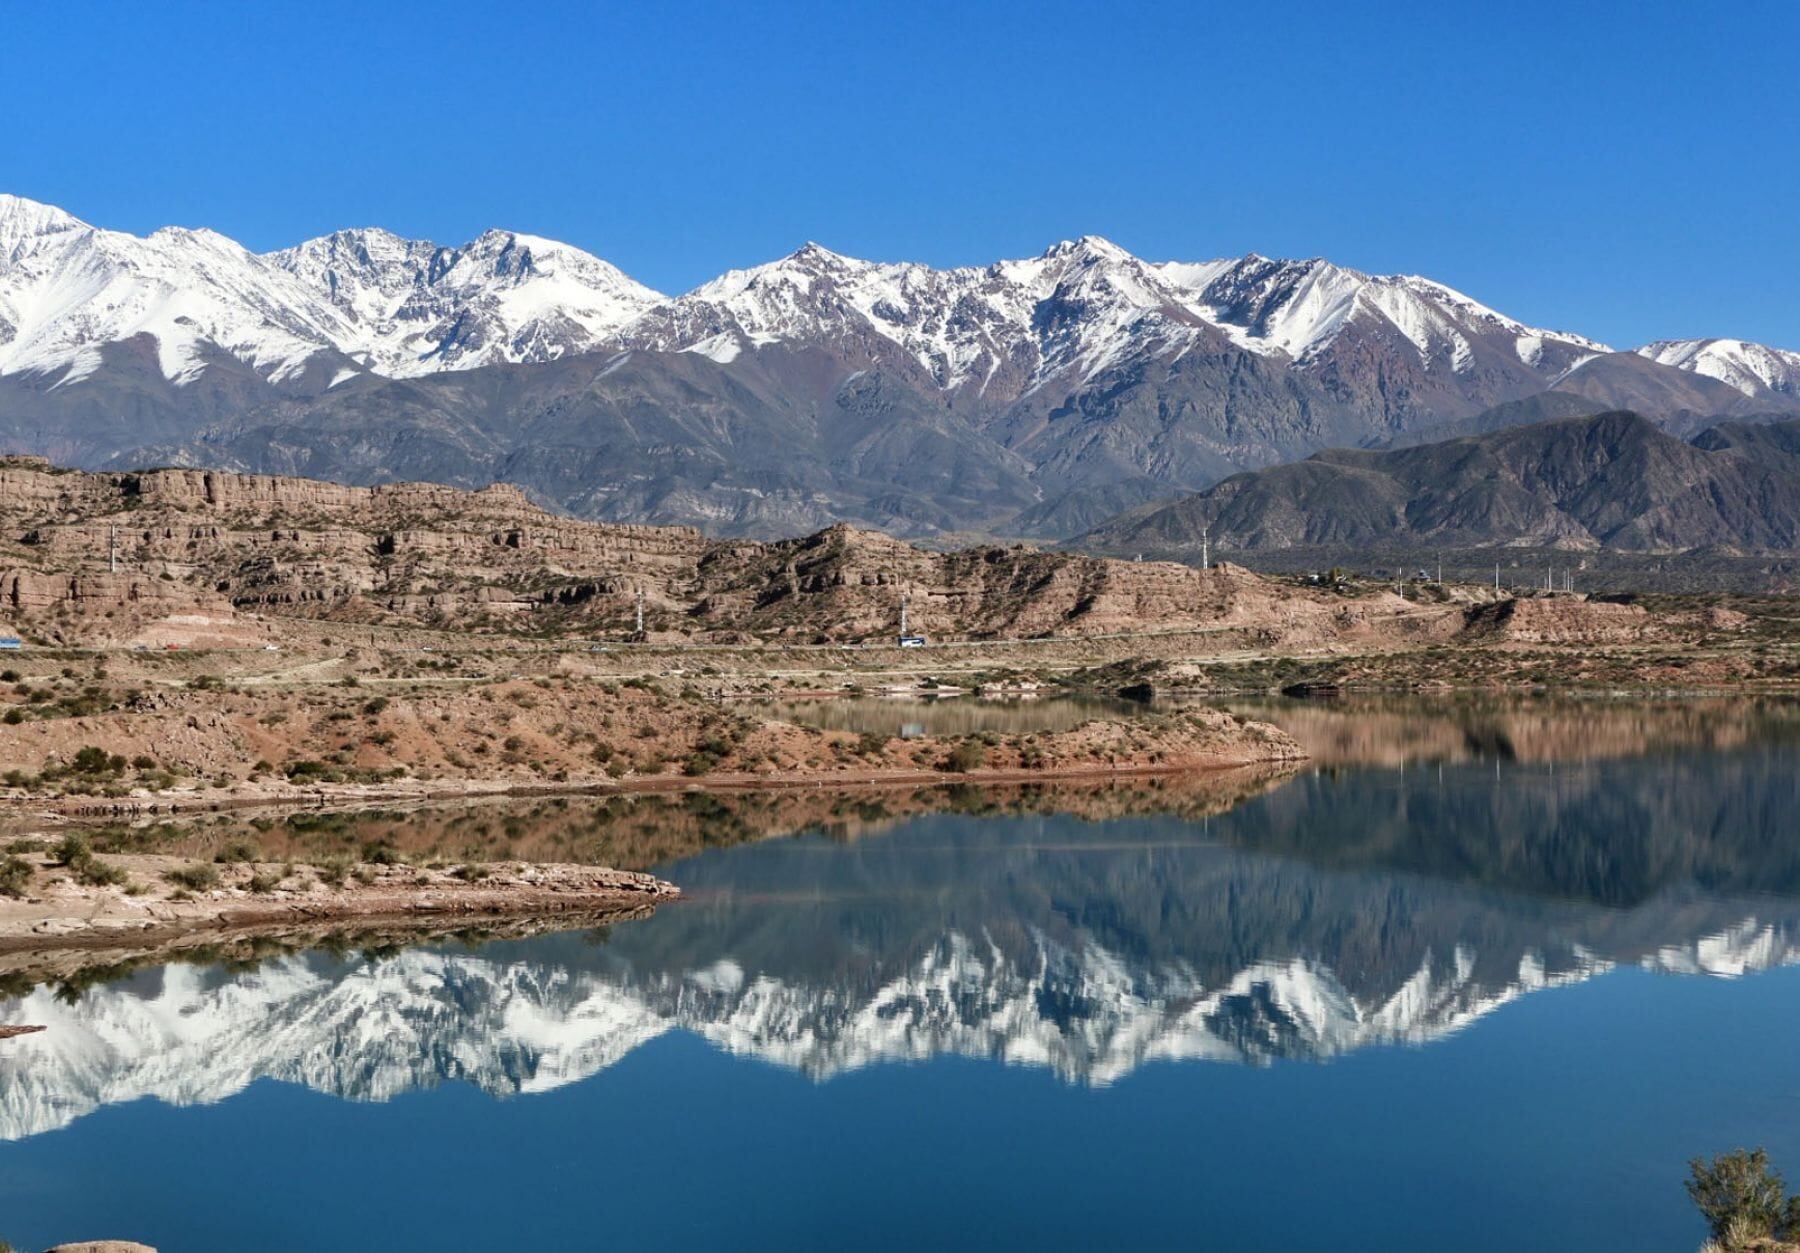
[76, 547]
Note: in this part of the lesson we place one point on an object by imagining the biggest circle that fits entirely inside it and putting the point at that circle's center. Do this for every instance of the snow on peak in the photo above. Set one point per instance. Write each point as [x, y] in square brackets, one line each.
[1067, 312]
[22, 221]
[401, 307]
[406, 307]
[69, 290]
[1300, 308]
[1088, 247]
[1754, 369]
[811, 253]
[416, 307]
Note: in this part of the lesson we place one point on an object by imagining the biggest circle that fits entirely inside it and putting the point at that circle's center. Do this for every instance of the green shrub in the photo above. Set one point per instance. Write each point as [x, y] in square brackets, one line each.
[98, 874]
[72, 850]
[237, 851]
[374, 706]
[471, 872]
[198, 877]
[16, 875]
[93, 759]
[966, 756]
[1742, 1197]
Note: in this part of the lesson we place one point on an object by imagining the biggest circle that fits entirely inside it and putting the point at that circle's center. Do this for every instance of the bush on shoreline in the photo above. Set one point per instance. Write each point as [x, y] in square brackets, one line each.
[1743, 1199]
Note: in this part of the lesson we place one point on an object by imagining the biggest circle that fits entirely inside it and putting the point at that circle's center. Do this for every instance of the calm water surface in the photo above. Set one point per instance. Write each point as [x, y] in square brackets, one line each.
[1484, 978]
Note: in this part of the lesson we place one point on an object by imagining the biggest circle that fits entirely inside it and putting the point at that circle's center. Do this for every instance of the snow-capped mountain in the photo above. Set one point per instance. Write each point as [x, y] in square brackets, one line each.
[409, 307]
[400, 307]
[1754, 369]
[374, 1030]
[67, 290]
[416, 308]
[1087, 304]
[1070, 312]
[1302, 308]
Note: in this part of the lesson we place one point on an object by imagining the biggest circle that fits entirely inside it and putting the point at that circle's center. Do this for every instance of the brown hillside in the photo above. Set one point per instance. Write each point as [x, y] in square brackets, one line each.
[208, 558]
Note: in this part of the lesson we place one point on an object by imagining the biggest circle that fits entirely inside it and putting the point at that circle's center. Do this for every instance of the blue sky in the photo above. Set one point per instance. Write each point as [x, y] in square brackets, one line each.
[1625, 170]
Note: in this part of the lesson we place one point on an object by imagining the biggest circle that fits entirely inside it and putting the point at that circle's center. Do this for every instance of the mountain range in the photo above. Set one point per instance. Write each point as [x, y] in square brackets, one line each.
[1031, 397]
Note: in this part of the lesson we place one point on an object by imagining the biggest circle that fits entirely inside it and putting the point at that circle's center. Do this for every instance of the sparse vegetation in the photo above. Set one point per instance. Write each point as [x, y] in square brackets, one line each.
[198, 877]
[71, 850]
[16, 875]
[1743, 1200]
[968, 755]
[99, 874]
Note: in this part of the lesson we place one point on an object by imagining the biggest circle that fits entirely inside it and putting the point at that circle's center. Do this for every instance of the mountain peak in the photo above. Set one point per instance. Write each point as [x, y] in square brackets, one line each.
[21, 208]
[812, 255]
[1751, 368]
[1097, 247]
[22, 219]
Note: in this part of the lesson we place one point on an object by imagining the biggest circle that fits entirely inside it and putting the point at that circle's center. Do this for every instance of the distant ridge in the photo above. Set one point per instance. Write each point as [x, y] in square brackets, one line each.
[1614, 481]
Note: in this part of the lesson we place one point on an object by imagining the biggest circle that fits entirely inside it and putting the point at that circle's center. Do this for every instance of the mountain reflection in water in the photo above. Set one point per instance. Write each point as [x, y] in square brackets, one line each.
[1088, 930]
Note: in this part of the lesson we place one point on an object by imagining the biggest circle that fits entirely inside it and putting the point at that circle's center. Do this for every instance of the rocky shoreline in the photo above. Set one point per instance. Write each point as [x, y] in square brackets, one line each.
[339, 748]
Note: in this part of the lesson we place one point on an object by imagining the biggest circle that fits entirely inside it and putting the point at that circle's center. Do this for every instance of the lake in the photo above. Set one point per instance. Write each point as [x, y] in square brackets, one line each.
[1483, 976]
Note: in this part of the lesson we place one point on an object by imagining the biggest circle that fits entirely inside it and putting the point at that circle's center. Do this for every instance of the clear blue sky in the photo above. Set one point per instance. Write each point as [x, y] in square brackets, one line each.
[1623, 169]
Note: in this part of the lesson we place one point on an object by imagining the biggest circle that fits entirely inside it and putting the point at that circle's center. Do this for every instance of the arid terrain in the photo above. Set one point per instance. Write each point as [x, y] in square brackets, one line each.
[195, 636]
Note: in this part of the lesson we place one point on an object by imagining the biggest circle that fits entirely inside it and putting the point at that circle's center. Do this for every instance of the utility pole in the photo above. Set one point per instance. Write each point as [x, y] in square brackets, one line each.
[640, 611]
[1440, 569]
[903, 613]
[112, 549]
[1496, 576]
[1205, 546]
